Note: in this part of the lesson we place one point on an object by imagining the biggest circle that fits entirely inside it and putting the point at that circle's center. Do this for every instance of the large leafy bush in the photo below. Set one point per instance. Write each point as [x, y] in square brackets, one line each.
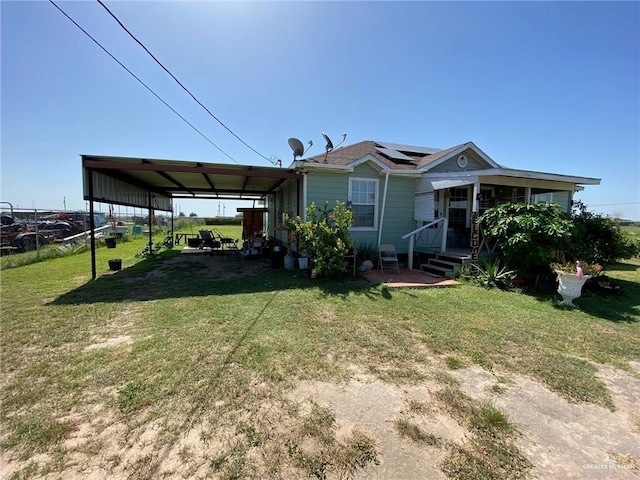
[599, 239]
[324, 237]
[531, 236]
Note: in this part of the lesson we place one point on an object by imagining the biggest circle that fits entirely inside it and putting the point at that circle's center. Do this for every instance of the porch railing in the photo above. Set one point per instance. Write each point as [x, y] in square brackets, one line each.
[426, 236]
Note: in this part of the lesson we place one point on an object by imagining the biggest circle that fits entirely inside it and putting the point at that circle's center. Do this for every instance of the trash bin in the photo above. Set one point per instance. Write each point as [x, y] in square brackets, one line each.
[289, 262]
[115, 264]
[111, 242]
[277, 257]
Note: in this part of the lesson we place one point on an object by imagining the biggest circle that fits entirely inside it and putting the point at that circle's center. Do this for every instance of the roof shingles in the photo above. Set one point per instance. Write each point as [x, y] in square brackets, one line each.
[347, 155]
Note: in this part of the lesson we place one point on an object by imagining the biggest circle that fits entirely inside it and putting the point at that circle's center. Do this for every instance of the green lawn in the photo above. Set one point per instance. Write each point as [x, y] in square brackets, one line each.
[223, 354]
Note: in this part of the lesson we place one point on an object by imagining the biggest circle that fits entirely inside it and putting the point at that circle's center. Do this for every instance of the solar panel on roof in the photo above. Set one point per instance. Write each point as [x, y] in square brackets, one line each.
[409, 148]
[395, 155]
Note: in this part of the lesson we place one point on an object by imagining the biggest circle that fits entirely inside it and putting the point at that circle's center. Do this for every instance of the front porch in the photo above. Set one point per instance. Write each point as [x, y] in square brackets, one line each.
[447, 208]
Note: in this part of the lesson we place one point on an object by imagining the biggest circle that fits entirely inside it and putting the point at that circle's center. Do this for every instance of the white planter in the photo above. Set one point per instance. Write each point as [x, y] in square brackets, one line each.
[570, 287]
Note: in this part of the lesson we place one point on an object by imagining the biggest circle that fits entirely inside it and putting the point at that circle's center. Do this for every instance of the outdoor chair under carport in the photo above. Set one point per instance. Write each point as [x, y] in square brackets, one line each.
[387, 257]
[208, 240]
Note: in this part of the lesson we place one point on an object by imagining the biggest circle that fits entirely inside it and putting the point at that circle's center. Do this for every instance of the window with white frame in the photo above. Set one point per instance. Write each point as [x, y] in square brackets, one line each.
[363, 194]
[543, 197]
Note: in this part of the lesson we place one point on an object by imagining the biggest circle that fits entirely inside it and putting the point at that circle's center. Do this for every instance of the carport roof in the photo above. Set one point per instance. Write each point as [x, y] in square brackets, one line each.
[185, 179]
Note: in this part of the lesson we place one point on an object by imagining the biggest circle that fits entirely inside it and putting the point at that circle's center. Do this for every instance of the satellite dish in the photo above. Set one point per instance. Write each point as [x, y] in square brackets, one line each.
[297, 147]
[329, 146]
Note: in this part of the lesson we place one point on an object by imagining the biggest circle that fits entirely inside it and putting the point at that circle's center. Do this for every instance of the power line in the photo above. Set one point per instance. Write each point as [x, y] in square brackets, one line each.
[178, 81]
[612, 204]
[141, 82]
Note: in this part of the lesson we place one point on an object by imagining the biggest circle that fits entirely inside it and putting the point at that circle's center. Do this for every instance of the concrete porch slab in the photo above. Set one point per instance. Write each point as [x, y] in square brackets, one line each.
[407, 279]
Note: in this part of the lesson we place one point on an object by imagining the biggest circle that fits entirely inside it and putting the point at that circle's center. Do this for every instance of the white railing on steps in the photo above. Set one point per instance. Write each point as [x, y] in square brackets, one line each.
[425, 236]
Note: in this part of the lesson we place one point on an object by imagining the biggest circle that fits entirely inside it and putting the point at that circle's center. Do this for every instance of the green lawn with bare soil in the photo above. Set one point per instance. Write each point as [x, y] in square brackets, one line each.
[173, 368]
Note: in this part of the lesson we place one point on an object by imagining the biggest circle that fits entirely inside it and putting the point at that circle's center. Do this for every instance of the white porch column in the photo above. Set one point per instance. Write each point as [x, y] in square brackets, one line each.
[527, 194]
[476, 193]
[445, 222]
[411, 252]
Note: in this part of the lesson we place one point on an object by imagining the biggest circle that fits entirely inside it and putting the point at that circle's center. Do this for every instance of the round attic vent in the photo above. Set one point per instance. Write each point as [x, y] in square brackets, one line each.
[462, 161]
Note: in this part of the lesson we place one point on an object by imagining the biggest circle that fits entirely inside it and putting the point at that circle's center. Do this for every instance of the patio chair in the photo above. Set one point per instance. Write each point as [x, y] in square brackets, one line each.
[208, 240]
[387, 257]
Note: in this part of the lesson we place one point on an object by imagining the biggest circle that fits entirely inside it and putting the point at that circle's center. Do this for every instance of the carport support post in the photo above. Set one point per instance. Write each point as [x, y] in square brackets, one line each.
[150, 223]
[172, 232]
[92, 226]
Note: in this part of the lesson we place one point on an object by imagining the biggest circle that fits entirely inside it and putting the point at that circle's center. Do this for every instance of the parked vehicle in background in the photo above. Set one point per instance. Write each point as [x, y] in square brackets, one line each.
[24, 236]
[21, 237]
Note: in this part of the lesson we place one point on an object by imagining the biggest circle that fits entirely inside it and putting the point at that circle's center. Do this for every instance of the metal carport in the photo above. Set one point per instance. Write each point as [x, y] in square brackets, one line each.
[154, 183]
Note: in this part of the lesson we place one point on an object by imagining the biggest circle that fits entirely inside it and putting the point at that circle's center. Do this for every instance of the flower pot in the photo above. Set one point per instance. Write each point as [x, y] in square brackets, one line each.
[111, 242]
[115, 264]
[570, 287]
[289, 262]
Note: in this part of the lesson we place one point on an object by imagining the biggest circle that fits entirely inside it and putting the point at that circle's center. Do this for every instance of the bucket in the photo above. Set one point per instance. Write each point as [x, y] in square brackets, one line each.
[115, 264]
[289, 262]
[111, 242]
[303, 263]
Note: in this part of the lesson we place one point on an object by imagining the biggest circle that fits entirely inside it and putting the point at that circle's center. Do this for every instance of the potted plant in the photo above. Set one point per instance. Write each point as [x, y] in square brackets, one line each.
[572, 277]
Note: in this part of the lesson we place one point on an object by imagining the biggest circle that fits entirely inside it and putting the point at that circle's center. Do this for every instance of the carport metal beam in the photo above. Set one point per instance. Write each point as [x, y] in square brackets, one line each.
[152, 167]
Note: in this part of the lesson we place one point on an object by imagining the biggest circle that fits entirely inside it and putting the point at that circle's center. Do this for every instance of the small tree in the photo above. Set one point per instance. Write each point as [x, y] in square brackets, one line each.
[599, 239]
[531, 236]
[324, 237]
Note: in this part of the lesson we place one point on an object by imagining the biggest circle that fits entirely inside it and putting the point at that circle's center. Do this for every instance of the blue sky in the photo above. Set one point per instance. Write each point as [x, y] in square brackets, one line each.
[545, 86]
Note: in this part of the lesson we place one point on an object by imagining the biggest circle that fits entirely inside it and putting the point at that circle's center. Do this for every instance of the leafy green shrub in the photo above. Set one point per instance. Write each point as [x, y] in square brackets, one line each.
[324, 237]
[599, 239]
[531, 236]
[223, 221]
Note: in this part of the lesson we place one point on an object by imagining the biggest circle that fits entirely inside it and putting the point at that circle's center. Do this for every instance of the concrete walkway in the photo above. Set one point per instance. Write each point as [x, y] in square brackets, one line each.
[407, 279]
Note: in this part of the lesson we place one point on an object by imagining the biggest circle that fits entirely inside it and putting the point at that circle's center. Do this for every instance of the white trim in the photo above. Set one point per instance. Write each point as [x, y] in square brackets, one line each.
[305, 184]
[384, 202]
[453, 183]
[350, 168]
[367, 158]
[475, 202]
[455, 153]
[511, 172]
[375, 204]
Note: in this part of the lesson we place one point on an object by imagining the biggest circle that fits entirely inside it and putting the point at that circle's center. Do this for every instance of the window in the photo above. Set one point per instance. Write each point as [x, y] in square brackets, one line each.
[543, 197]
[458, 206]
[363, 194]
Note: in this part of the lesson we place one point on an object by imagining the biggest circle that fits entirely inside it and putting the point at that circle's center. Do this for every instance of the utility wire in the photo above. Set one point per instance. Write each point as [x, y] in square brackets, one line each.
[178, 81]
[612, 204]
[143, 84]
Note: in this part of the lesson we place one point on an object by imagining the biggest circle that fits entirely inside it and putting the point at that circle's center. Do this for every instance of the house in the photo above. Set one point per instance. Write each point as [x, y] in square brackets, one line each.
[420, 199]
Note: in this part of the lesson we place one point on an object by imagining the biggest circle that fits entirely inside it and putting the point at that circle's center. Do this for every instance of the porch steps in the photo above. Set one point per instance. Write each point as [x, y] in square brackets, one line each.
[444, 264]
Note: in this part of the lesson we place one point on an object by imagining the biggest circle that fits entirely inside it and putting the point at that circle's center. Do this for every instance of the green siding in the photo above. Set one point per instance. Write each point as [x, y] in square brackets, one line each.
[326, 186]
[398, 216]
